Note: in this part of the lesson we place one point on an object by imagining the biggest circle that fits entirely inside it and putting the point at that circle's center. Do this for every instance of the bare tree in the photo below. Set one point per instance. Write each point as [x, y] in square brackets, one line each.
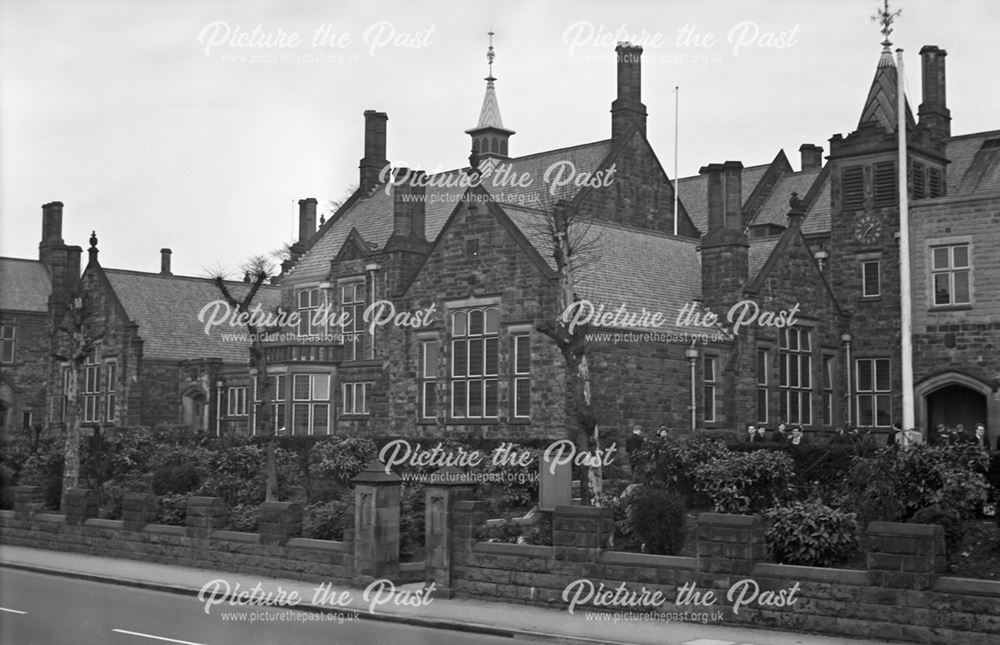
[257, 271]
[77, 335]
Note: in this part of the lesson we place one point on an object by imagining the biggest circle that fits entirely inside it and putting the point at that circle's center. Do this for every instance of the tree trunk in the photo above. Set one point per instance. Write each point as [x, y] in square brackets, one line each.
[71, 447]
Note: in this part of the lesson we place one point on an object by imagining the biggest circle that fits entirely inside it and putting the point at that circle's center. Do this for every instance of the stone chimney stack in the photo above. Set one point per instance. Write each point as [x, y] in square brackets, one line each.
[52, 214]
[724, 247]
[933, 110]
[165, 261]
[374, 160]
[627, 109]
[812, 156]
[409, 205]
[307, 218]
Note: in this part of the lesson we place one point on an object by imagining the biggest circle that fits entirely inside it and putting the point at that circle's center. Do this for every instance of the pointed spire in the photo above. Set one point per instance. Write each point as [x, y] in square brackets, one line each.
[880, 106]
[489, 137]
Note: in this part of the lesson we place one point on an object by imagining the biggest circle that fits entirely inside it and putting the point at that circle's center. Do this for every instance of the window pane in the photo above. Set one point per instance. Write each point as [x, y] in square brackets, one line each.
[709, 369]
[882, 376]
[280, 387]
[783, 371]
[492, 321]
[429, 410]
[761, 367]
[806, 416]
[458, 323]
[301, 385]
[431, 350]
[941, 257]
[805, 362]
[459, 357]
[321, 387]
[475, 357]
[475, 398]
[303, 299]
[793, 340]
[883, 415]
[709, 403]
[961, 287]
[321, 418]
[864, 375]
[762, 406]
[458, 400]
[960, 257]
[865, 410]
[279, 415]
[492, 398]
[793, 370]
[522, 398]
[492, 356]
[523, 351]
[476, 322]
[300, 418]
[942, 291]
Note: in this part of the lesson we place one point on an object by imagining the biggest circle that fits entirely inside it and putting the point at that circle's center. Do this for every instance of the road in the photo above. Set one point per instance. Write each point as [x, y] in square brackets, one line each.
[40, 609]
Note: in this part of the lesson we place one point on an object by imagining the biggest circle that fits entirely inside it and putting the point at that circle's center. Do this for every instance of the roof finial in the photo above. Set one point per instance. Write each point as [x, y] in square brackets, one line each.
[490, 55]
[886, 18]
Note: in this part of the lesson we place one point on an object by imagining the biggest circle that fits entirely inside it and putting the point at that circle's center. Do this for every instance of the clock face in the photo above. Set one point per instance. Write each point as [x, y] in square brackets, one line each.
[868, 229]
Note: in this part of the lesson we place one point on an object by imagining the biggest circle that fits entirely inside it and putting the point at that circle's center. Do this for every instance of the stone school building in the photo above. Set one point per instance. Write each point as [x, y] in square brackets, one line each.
[776, 289]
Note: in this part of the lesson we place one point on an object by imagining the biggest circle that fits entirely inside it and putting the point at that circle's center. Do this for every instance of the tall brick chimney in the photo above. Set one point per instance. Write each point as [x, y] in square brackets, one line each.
[165, 261]
[374, 160]
[724, 247]
[933, 110]
[52, 214]
[307, 218]
[409, 205]
[812, 156]
[627, 109]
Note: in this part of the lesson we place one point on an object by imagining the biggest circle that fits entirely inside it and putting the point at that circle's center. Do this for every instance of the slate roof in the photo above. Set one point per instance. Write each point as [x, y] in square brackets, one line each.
[372, 215]
[639, 268]
[775, 208]
[166, 309]
[975, 163]
[25, 285]
[817, 219]
[760, 250]
[880, 106]
[694, 193]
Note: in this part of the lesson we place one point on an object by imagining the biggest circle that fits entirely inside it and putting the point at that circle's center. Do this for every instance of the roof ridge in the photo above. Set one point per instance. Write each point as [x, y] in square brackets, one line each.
[4, 257]
[970, 135]
[150, 274]
[640, 231]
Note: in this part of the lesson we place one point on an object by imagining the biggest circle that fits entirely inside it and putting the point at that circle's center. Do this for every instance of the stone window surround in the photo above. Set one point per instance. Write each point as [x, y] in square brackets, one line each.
[952, 240]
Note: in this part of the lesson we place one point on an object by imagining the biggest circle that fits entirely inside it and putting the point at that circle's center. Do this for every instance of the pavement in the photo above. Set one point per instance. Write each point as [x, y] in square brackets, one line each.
[461, 614]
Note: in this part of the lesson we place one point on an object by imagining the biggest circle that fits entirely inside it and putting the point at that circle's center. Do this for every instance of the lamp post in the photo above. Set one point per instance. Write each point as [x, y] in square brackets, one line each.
[218, 407]
[846, 339]
[692, 355]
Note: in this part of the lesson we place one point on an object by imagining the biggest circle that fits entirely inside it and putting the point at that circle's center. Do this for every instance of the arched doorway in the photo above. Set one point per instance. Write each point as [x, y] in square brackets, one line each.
[194, 409]
[953, 399]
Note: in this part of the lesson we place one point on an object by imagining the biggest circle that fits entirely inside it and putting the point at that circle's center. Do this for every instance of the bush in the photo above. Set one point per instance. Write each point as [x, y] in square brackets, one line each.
[810, 534]
[173, 510]
[949, 518]
[45, 469]
[412, 522]
[243, 517]
[327, 520]
[623, 539]
[657, 517]
[333, 463]
[746, 483]
[175, 479]
[670, 463]
[893, 484]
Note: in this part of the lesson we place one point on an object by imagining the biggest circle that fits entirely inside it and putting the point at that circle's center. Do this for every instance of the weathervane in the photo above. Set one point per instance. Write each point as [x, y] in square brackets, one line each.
[886, 17]
[490, 55]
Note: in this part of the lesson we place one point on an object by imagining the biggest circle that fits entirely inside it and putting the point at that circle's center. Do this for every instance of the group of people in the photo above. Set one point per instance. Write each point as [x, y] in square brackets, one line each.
[959, 434]
[781, 434]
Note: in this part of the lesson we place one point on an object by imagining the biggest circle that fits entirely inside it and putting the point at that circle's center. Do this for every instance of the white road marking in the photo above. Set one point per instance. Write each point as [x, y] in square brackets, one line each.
[159, 638]
[709, 641]
[13, 611]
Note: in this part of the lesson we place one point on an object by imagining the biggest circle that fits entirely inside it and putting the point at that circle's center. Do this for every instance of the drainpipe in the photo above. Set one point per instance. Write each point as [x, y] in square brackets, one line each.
[692, 355]
[372, 269]
[846, 338]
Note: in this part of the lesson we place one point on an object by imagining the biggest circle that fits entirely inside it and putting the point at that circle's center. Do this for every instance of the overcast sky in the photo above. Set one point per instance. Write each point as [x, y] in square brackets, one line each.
[137, 117]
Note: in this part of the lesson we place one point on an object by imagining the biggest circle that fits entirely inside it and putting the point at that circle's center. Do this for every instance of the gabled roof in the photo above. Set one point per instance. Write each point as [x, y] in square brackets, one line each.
[694, 193]
[25, 285]
[489, 115]
[817, 219]
[760, 250]
[372, 215]
[166, 309]
[775, 207]
[640, 268]
[975, 163]
[880, 106]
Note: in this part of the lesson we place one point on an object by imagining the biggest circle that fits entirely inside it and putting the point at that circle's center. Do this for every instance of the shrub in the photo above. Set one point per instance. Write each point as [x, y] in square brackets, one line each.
[6, 488]
[810, 534]
[173, 510]
[326, 520]
[657, 517]
[333, 463]
[746, 482]
[893, 484]
[508, 488]
[670, 463]
[45, 468]
[508, 532]
[236, 475]
[243, 517]
[412, 522]
[623, 539]
[175, 479]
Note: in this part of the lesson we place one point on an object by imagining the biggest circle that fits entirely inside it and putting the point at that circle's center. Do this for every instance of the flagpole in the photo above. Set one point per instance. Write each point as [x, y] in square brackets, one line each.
[906, 309]
[677, 102]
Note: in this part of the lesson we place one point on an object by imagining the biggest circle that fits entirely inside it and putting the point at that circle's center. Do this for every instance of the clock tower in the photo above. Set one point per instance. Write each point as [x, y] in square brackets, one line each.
[864, 235]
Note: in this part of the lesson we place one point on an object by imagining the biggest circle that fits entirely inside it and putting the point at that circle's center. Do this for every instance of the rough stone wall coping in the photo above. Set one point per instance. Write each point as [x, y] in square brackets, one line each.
[165, 529]
[968, 586]
[526, 550]
[904, 530]
[726, 519]
[235, 536]
[52, 518]
[582, 511]
[647, 560]
[116, 525]
[812, 574]
[318, 545]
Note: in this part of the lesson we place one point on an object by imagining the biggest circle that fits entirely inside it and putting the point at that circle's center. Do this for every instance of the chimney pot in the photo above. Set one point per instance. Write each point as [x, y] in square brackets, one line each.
[627, 109]
[375, 141]
[812, 156]
[165, 262]
[52, 223]
[307, 218]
